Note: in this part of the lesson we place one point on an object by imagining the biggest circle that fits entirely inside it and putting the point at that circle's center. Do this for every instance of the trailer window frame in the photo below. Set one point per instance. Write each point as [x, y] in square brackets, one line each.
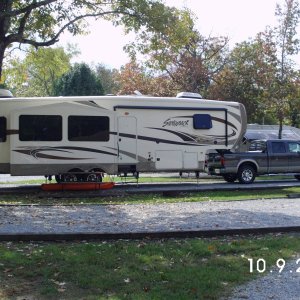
[3, 129]
[202, 121]
[88, 128]
[40, 128]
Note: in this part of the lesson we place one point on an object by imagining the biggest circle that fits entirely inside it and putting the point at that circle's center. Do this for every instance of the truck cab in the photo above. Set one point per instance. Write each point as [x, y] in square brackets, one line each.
[263, 157]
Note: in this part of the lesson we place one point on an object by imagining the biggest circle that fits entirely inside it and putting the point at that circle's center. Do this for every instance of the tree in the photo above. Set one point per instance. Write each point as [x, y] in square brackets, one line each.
[180, 51]
[79, 81]
[36, 74]
[108, 79]
[133, 77]
[250, 71]
[288, 44]
[40, 23]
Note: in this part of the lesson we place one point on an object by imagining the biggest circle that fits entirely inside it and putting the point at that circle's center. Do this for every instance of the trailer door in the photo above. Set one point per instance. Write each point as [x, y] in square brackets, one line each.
[127, 140]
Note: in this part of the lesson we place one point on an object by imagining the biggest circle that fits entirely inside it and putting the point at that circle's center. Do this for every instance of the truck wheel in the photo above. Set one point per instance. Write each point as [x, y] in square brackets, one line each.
[246, 174]
[230, 177]
[297, 177]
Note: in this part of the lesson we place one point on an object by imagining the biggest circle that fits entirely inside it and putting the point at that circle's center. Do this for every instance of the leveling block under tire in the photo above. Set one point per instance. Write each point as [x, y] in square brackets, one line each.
[78, 186]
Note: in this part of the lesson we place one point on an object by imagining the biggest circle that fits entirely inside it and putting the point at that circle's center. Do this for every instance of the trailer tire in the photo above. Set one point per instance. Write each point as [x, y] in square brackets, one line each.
[246, 174]
[230, 177]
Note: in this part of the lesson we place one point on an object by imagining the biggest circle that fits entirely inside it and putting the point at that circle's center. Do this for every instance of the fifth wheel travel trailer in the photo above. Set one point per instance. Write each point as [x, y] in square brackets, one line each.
[80, 138]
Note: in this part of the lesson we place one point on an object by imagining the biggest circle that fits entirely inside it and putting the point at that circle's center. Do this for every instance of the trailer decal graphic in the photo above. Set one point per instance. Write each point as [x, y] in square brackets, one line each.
[197, 138]
[153, 139]
[184, 136]
[175, 123]
[184, 123]
[37, 152]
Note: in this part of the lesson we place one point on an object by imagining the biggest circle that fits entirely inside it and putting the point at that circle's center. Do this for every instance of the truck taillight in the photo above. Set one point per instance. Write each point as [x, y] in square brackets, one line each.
[222, 161]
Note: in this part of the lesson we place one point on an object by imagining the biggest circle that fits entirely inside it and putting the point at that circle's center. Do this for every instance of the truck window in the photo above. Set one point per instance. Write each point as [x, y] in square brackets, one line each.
[294, 147]
[40, 128]
[2, 129]
[202, 121]
[278, 147]
[88, 128]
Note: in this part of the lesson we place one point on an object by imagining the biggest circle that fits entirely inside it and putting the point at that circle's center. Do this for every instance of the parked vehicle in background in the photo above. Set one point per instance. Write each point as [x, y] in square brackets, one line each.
[263, 157]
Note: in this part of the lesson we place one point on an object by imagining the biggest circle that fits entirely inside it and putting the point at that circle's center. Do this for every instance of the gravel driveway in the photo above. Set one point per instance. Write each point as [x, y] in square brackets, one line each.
[150, 217]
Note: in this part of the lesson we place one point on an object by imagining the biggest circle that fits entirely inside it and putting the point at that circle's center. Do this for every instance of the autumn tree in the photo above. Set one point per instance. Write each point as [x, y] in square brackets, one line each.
[134, 77]
[179, 50]
[40, 23]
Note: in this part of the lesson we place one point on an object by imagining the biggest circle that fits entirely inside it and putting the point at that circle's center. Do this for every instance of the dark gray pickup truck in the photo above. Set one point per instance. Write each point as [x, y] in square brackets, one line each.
[263, 157]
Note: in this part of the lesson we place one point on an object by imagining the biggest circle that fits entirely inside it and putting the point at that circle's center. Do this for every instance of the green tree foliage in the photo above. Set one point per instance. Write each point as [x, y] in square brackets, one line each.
[261, 73]
[250, 70]
[79, 81]
[40, 23]
[36, 74]
[288, 44]
[180, 51]
[108, 79]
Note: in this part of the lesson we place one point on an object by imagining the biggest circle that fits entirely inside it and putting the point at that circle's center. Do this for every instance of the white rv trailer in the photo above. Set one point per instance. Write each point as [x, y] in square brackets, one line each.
[78, 138]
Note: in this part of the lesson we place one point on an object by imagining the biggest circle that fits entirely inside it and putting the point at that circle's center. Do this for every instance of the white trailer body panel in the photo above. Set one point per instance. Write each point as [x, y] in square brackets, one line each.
[114, 134]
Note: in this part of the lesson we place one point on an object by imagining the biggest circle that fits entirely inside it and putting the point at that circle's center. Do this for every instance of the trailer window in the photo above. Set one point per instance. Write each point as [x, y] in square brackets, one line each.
[88, 128]
[202, 121]
[2, 129]
[40, 128]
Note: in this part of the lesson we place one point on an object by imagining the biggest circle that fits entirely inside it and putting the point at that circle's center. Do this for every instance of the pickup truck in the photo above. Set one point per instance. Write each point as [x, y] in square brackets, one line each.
[263, 157]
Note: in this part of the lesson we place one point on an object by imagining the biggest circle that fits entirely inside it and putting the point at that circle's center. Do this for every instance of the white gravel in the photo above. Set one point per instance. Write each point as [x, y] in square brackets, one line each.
[150, 217]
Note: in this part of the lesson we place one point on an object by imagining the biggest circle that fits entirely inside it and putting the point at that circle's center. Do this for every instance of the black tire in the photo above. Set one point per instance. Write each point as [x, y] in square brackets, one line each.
[230, 177]
[297, 177]
[246, 174]
[58, 178]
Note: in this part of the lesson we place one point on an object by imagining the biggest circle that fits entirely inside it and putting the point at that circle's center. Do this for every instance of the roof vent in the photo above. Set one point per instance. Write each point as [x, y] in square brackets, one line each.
[5, 94]
[137, 93]
[189, 95]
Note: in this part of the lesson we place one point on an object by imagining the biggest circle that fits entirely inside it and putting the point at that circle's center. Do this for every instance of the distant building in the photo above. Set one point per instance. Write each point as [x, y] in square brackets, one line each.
[258, 132]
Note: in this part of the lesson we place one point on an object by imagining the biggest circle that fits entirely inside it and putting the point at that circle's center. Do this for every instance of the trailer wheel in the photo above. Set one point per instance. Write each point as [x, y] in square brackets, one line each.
[94, 177]
[58, 178]
[246, 174]
[230, 177]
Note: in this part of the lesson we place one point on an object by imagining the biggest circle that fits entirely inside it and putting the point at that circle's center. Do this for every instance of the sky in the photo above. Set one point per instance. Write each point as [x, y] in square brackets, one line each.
[237, 19]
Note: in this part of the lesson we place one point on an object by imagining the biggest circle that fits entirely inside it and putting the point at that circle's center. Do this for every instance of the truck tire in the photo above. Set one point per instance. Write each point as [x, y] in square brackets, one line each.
[246, 174]
[297, 177]
[230, 177]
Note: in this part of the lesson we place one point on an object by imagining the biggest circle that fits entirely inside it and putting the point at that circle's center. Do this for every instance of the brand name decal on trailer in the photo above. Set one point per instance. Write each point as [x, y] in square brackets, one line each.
[176, 123]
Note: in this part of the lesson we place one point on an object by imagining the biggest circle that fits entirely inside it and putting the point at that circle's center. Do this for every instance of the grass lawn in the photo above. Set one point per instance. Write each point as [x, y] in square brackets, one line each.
[145, 269]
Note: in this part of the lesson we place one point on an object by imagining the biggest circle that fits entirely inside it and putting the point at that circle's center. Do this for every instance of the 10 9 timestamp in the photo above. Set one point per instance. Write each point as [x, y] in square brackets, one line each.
[260, 265]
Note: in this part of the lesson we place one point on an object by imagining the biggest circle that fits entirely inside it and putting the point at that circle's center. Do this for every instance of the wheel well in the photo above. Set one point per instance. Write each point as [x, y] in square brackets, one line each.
[75, 170]
[249, 163]
[97, 170]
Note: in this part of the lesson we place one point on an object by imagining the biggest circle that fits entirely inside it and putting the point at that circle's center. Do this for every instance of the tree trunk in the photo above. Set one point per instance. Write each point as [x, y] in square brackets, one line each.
[2, 50]
[280, 128]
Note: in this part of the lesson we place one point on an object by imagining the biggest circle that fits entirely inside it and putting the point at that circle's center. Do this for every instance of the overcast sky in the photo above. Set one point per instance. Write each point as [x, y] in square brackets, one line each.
[237, 19]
